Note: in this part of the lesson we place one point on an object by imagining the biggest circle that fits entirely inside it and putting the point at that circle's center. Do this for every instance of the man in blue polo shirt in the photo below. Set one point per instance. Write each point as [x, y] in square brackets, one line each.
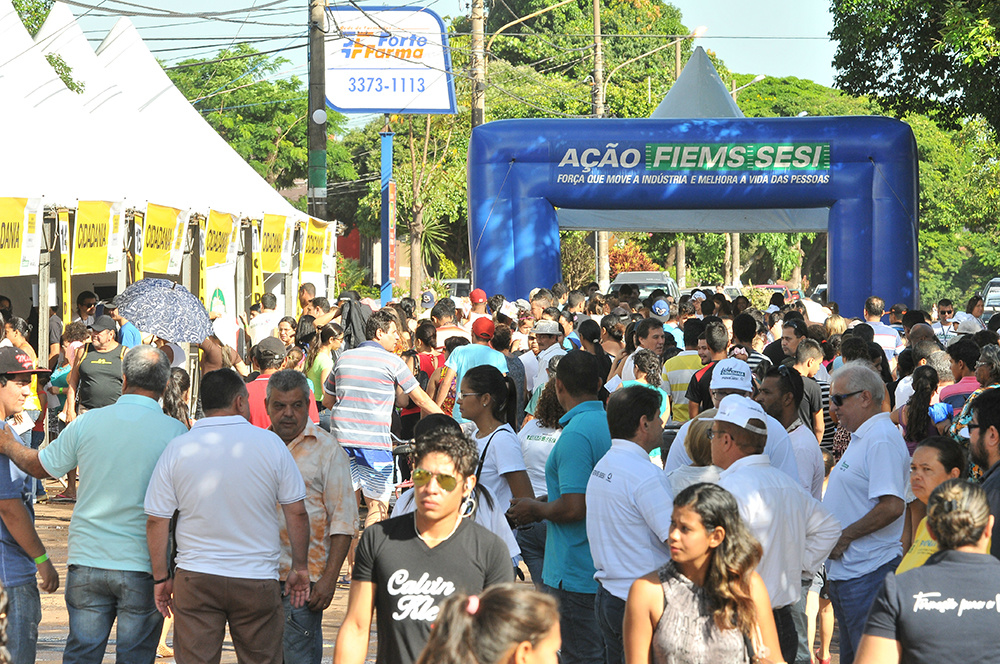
[568, 572]
[116, 448]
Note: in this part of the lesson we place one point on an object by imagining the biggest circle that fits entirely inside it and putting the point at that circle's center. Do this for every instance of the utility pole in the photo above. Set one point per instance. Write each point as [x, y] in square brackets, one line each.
[477, 62]
[681, 248]
[317, 109]
[603, 261]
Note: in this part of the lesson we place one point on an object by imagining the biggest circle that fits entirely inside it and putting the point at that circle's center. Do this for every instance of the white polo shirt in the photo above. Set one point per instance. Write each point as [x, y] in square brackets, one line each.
[628, 516]
[795, 530]
[875, 464]
[778, 449]
[808, 458]
[541, 374]
[225, 476]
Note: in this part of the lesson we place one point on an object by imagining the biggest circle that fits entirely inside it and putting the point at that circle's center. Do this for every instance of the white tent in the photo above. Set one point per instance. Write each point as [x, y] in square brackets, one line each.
[207, 167]
[50, 144]
[130, 135]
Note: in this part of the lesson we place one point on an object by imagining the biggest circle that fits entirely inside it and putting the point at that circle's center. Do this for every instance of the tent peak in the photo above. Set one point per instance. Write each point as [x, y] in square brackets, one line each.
[698, 93]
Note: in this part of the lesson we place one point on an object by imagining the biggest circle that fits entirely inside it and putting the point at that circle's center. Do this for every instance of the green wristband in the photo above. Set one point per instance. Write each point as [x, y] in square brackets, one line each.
[41, 559]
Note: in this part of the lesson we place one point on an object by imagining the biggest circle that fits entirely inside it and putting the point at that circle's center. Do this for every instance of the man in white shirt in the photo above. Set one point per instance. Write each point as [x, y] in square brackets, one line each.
[263, 324]
[547, 334]
[944, 328]
[793, 528]
[732, 376]
[885, 336]
[628, 509]
[866, 493]
[779, 395]
[225, 477]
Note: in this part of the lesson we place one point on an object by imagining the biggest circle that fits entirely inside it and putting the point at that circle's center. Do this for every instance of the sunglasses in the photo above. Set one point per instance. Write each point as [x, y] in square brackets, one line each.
[839, 399]
[421, 477]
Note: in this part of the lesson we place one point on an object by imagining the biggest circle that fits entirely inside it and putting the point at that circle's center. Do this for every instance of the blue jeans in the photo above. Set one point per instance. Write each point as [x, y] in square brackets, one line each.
[581, 635]
[610, 614]
[303, 639]
[531, 540]
[94, 598]
[801, 625]
[852, 599]
[24, 612]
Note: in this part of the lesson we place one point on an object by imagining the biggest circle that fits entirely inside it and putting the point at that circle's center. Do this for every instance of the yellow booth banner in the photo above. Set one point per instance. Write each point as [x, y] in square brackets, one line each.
[221, 235]
[20, 236]
[163, 239]
[315, 246]
[276, 243]
[97, 237]
[330, 252]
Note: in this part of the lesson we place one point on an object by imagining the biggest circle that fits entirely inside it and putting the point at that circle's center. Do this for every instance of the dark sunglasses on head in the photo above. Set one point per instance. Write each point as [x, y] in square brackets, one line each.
[421, 477]
[839, 399]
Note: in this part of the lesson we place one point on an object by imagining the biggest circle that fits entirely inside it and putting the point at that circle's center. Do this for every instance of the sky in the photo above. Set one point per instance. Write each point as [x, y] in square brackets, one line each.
[771, 37]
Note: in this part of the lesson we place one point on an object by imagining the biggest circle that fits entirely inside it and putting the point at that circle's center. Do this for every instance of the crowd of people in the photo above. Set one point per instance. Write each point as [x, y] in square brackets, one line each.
[575, 477]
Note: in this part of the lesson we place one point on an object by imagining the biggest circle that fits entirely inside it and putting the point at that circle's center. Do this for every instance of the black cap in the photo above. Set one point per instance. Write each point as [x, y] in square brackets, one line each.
[16, 361]
[102, 323]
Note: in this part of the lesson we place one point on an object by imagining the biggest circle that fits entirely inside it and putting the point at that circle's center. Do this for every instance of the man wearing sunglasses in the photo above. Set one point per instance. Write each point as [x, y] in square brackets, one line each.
[86, 307]
[944, 328]
[866, 493]
[406, 566]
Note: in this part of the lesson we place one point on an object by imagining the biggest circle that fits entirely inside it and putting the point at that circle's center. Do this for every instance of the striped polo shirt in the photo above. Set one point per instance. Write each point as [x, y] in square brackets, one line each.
[364, 381]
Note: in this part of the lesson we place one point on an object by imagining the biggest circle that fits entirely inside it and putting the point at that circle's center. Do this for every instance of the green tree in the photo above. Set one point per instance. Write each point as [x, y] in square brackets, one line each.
[261, 115]
[33, 13]
[924, 56]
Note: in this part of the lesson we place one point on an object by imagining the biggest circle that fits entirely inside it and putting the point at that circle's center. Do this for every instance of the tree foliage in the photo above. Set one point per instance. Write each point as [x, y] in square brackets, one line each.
[626, 256]
[33, 13]
[260, 114]
[578, 258]
[925, 56]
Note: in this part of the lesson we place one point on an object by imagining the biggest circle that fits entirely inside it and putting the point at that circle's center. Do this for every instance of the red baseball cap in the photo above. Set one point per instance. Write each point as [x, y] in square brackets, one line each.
[483, 328]
[477, 296]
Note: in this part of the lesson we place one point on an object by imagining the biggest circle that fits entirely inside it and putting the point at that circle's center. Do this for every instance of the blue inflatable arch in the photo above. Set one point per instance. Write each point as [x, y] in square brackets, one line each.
[855, 177]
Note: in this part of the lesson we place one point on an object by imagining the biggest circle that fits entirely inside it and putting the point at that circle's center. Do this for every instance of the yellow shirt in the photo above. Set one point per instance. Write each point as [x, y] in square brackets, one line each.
[923, 548]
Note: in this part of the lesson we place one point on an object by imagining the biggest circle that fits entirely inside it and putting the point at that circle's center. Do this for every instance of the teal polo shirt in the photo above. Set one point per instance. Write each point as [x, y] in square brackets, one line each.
[584, 440]
[116, 449]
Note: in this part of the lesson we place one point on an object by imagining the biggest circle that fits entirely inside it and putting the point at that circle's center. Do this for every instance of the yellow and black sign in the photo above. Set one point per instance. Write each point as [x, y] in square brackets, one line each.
[221, 232]
[20, 236]
[315, 246]
[163, 239]
[275, 243]
[97, 237]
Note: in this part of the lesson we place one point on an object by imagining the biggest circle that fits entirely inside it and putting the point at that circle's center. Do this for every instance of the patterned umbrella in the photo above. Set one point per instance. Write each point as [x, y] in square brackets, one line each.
[166, 309]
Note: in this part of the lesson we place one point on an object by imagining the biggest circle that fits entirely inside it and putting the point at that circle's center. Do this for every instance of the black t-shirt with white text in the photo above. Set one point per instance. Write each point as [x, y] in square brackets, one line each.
[412, 580]
[944, 611]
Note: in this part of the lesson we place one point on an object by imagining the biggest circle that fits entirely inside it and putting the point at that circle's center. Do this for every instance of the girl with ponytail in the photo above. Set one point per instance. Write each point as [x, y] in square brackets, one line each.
[505, 624]
[489, 399]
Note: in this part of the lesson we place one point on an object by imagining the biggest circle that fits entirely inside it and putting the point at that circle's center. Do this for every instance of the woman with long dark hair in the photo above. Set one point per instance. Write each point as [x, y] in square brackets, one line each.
[175, 397]
[319, 360]
[491, 400]
[914, 416]
[707, 604]
[590, 341]
[286, 330]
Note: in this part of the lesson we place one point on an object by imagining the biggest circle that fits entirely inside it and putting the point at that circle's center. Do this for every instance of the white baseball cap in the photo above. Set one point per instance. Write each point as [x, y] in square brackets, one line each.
[739, 410]
[731, 374]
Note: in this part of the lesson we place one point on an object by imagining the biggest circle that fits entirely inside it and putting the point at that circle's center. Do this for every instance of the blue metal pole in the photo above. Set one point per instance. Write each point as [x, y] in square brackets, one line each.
[388, 218]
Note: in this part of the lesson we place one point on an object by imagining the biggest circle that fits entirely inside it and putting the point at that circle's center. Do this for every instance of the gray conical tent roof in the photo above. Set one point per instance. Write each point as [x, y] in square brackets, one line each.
[698, 93]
